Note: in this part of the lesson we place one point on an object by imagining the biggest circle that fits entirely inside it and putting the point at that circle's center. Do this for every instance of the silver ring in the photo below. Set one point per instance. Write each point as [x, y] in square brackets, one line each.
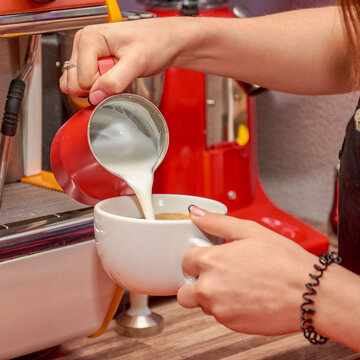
[68, 66]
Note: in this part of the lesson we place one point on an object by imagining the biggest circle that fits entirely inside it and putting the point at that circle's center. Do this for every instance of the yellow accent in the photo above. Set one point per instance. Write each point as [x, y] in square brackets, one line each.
[114, 13]
[243, 135]
[77, 102]
[12, 35]
[111, 311]
[45, 179]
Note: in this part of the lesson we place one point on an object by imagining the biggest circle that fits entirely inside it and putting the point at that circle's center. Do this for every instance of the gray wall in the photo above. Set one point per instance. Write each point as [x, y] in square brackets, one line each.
[299, 140]
[299, 136]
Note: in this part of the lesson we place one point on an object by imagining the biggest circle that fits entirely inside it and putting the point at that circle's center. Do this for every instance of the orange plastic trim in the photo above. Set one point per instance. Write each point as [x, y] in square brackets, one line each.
[111, 311]
[114, 13]
[45, 179]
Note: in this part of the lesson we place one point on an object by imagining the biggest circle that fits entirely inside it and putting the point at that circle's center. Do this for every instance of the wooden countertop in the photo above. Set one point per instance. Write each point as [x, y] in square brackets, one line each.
[190, 334]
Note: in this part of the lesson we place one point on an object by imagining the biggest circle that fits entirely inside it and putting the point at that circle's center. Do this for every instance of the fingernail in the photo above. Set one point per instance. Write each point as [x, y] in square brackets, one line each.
[194, 210]
[97, 96]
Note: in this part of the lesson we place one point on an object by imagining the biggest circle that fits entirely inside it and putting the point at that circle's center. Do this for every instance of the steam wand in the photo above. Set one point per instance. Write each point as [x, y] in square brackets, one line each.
[12, 108]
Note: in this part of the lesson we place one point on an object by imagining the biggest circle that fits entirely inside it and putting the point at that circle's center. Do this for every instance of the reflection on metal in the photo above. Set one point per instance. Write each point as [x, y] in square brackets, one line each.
[51, 21]
[60, 20]
[139, 326]
[150, 88]
[240, 12]
[226, 111]
[171, 5]
[34, 42]
[45, 233]
[5, 143]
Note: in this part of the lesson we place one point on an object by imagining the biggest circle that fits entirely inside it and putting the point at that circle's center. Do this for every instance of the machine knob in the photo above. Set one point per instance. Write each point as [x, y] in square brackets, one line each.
[240, 12]
[189, 8]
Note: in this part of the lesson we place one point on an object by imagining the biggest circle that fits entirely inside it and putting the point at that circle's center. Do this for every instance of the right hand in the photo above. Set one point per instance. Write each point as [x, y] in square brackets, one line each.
[143, 48]
[253, 284]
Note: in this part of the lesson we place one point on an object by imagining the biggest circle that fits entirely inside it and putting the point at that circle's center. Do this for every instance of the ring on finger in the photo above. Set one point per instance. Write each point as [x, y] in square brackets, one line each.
[67, 65]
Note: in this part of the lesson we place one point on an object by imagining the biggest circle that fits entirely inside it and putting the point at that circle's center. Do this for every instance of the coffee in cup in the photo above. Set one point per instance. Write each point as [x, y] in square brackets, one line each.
[171, 216]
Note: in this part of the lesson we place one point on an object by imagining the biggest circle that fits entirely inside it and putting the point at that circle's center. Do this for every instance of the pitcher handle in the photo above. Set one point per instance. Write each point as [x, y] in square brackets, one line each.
[105, 64]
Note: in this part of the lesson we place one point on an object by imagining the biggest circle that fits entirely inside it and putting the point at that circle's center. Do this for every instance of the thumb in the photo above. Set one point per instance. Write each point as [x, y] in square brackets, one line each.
[223, 226]
[114, 81]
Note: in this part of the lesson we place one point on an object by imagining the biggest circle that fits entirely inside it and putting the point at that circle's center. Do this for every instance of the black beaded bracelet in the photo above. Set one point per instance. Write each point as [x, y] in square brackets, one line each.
[306, 313]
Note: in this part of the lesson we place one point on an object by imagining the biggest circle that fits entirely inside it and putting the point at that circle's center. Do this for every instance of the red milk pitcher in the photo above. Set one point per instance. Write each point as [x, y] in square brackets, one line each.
[81, 169]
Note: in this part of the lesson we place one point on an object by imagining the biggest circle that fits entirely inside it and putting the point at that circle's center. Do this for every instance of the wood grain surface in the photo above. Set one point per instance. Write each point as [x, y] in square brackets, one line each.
[189, 334]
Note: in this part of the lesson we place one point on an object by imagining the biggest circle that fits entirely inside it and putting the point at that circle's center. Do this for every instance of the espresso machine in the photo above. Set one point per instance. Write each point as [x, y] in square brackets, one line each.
[53, 287]
[213, 149]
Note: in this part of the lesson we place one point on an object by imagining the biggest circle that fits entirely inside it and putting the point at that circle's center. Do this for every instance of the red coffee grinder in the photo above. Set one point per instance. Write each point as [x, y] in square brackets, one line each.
[213, 141]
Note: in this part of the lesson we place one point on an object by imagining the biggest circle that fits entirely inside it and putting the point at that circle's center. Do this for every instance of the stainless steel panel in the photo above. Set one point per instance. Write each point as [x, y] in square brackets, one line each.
[41, 234]
[50, 21]
[226, 110]
[33, 219]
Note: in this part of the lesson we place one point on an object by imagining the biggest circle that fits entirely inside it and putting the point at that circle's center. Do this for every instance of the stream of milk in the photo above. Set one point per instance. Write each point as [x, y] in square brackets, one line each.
[128, 147]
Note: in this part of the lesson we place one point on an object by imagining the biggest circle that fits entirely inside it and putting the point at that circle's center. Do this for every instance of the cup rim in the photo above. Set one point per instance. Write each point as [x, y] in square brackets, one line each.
[98, 209]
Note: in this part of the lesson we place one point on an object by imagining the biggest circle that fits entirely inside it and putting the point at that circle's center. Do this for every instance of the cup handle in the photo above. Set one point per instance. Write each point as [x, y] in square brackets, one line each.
[196, 242]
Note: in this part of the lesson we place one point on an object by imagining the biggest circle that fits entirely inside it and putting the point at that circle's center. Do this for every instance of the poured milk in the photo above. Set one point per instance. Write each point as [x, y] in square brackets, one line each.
[128, 147]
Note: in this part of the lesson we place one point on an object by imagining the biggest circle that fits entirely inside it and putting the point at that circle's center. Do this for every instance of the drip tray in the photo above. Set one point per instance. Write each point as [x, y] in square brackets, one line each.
[34, 219]
[23, 202]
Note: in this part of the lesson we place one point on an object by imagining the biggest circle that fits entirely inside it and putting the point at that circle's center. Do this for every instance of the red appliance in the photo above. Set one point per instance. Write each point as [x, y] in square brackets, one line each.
[200, 163]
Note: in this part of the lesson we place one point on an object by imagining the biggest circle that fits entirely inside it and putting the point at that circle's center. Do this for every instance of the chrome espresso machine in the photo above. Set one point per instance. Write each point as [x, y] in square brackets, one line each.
[52, 285]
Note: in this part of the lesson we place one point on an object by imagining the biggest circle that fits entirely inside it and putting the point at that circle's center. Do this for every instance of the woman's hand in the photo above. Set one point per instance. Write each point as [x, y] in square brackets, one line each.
[253, 284]
[142, 48]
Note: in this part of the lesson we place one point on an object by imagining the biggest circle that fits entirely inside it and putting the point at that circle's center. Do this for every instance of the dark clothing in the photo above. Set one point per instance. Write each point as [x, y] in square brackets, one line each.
[349, 196]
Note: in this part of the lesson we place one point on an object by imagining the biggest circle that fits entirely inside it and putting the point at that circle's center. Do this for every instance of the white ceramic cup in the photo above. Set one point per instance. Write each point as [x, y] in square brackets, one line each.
[145, 256]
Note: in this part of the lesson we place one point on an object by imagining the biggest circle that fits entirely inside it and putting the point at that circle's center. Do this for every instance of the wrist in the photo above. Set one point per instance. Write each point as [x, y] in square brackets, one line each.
[308, 306]
[199, 36]
[336, 313]
[337, 308]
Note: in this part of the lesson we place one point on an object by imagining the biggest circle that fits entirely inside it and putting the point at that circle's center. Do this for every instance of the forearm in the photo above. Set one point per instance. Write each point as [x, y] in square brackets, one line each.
[337, 306]
[300, 51]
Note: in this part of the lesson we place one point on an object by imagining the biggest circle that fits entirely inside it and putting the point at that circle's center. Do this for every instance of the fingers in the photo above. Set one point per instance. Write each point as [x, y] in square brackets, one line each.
[114, 81]
[186, 296]
[68, 80]
[225, 227]
[191, 262]
[195, 262]
[91, 46]
[88, 45]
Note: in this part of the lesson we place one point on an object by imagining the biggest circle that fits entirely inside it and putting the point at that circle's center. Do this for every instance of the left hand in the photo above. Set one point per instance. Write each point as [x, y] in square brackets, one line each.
[143, 48]
[253, 285]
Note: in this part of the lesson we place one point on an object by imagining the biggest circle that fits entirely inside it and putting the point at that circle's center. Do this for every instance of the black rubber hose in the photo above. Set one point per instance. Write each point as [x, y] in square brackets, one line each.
[12, 107]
